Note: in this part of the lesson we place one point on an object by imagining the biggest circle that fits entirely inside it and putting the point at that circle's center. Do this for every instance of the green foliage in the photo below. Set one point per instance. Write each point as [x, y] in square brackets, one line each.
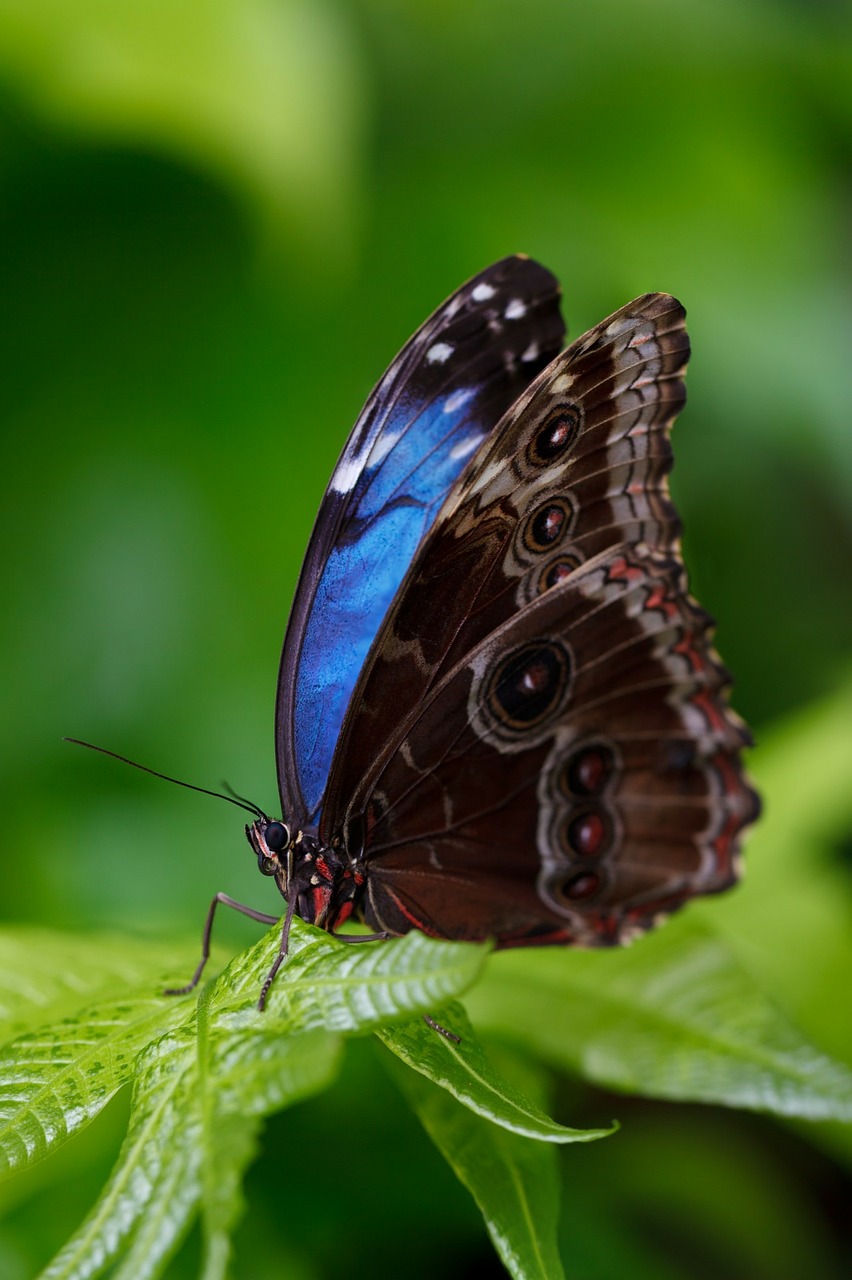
[513, 1182]
[206, 1072]
[683, 1022]
[270, 99]
[464, 1071]
[171, 413]
[676, 1018]
[683, 1015]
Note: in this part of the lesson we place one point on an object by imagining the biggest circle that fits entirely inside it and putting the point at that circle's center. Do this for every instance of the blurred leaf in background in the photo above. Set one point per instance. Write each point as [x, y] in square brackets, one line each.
[220, 220]
[267, 95]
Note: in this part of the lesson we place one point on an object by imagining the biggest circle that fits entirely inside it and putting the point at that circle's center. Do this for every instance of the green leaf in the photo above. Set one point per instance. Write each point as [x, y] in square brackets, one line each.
[347, 986]
[265, 94]
[45, 975]
[675, 1016]
[231, 1119]
[54, 1081]
[513, 1180]
[183, 1116]
[789, 921]
[155, 1183]
[231, 1146]
[247, 1074]
[466, 1072]
[202, 1088]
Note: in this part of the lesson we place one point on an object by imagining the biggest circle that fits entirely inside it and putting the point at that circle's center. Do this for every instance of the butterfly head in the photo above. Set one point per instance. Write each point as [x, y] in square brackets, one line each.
[272, 843]
[322, 882]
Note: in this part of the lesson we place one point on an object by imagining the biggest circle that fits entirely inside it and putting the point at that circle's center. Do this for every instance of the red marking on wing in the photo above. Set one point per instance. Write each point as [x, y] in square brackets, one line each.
[620, 570]
[412, 918]
[686, 649]
[713, 711]
[733, 784]
[660, 598]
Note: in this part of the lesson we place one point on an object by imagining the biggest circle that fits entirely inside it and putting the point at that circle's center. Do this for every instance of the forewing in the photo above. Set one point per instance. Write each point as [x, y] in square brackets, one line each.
[437, 402]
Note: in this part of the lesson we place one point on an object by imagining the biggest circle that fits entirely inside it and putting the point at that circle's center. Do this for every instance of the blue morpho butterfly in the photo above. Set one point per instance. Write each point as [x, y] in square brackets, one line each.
[499, 712]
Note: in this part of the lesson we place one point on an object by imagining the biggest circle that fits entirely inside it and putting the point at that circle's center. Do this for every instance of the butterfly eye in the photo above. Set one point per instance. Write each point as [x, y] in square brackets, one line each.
[277, 836]
[555, 436]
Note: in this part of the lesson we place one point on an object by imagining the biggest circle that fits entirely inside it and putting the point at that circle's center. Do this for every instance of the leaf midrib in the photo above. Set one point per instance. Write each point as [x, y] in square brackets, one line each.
[556, 1132]
[105, 1208]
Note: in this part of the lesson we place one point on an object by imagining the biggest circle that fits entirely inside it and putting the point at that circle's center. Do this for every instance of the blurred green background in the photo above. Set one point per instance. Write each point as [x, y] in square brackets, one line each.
[220, 220]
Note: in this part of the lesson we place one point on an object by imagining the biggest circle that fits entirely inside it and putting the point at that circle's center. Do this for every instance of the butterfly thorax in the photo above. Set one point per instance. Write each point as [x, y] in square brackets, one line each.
[325, 879]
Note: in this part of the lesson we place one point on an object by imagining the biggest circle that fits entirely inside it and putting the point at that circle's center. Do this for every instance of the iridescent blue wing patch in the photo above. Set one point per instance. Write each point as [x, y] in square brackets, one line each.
[444, 393]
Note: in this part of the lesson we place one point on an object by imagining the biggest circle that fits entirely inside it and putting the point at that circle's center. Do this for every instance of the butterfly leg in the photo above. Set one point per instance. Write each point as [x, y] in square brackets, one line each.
[260, 916]
[282, 950]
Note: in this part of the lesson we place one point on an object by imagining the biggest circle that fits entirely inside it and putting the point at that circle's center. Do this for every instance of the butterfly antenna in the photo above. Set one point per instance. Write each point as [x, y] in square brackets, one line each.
[231, 794]
[232, 799]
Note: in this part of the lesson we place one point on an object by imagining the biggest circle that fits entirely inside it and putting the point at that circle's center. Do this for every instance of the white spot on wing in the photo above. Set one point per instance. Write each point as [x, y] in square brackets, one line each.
[618, 327]
[383, 446]
[482, 292]
[348, 472]
[515, 310]
[493, 471]
[346, 476]
[439, 352]
[465, 447]
[457, 399]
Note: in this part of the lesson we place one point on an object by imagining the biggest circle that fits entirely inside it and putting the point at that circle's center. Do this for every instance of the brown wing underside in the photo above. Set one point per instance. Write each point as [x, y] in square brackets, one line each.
[551, 754]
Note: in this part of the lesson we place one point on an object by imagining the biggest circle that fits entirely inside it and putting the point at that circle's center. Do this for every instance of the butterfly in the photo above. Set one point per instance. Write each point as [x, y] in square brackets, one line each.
[499, 711]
